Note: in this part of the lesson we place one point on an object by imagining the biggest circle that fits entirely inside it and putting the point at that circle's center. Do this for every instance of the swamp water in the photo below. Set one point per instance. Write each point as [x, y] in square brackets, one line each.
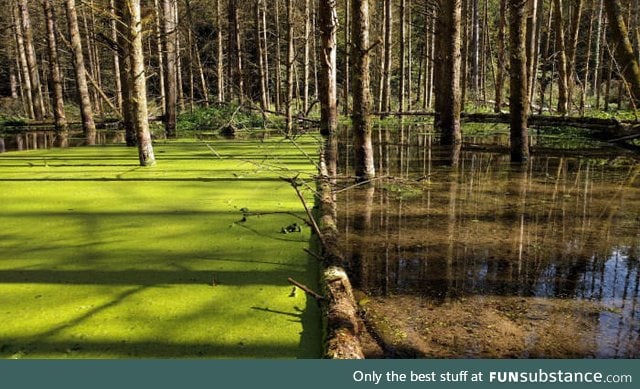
[489, 259]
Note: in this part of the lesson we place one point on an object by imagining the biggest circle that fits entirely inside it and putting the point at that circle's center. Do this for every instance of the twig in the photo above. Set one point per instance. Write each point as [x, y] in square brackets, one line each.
[312, 220]
[213, 151]
[316, 256]
[360, 184]
[306, 289]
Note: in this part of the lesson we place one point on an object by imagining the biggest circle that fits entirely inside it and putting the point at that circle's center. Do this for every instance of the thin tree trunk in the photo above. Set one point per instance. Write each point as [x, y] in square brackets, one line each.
[138, 86]
[116, 59]
[328, 21]
[447, 75]
[56, 79]
[290, 61]
[306, 60]
[265, 46]
[572, 48]
[179, 82]
[278, 60]
[13, 82]
[563, 103]
[475, 49]
[219, 55]
[499, 84]
[169, 30]
[89, 60]
[403, 54]
[518, 82]
[364, 164]
[261, 50]
[597, 49]
[531, 23]
[23, 68]
[347, 60]
[585, 82]
[386, 85]
[34, 77]
[626, 60]
[124, 51]
[86, 112]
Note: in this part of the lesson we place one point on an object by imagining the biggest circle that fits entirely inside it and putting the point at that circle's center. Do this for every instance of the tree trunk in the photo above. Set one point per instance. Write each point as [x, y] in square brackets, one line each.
[124, 51]
[56, 79]
[347, 60]
[235, 52]
[572, 48]
[36, 89]
[328, 20]
[364, 165]
[138, 86]
[86, 112]
[116, 58]
[261, 67]
[306, 59]
[475, 49]
[403, 54]
[518, 82]
[627, 62]
[531, 23]
[265, 43]
[597, 49]
[278, 60]
[563, 103]
[170, 72]
[22, 64]
[447, 74]
[290, 60]
[386, 85]
[219, 55]
[499, 84]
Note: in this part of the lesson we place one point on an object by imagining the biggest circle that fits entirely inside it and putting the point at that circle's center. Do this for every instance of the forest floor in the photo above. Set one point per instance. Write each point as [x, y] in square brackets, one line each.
[100, 258]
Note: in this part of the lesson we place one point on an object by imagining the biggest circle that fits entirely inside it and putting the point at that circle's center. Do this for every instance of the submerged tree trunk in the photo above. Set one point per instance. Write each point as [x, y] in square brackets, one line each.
[54, 70]
[328, 20]
[627, 62]
[364, 166]
[86, 112]
[518, 83]
[447, 75]
[139, 86]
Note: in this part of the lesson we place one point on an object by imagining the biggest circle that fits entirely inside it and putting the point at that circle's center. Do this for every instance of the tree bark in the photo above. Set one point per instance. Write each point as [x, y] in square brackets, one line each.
[54, 70]
[306, 59]
[627, 61]
[364, 165]
[563, 86]
[36, 89]
[278, 60]
[402, 43]
[262, 80]
[116, 58]
[170, 72]
[219, 55]
[447, 74]
[572, 47]
[22, 65]
[386, 84]
[235, 52]
[124, 52]
[86, 111]
[328, 20]
[138, 86]
[290, 60]
[499, 84]
[518, 83]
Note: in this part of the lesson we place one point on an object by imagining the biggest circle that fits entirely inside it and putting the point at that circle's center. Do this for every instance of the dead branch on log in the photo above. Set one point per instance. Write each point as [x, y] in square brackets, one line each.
[295, 184]
[307, 290]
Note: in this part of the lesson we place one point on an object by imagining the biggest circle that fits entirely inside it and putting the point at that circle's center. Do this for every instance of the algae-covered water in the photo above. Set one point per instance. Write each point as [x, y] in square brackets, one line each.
[100, 258]
[489, 259]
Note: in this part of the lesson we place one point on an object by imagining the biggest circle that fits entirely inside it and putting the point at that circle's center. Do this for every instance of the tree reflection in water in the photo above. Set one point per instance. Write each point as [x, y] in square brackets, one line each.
[538, 245]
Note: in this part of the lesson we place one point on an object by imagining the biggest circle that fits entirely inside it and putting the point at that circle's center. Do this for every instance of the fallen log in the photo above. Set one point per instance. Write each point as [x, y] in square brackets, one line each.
[343, 324]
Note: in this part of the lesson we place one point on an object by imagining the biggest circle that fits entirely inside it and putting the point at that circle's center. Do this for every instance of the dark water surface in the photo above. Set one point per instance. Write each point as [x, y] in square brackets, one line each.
[34, 140]
[490, 259]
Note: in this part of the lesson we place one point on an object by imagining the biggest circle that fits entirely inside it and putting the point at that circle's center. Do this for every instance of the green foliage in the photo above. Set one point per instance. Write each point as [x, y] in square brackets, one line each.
[102, 259]
[215, 117]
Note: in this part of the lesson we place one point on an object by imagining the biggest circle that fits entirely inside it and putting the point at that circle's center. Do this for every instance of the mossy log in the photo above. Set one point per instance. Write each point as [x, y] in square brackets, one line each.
[343, 325]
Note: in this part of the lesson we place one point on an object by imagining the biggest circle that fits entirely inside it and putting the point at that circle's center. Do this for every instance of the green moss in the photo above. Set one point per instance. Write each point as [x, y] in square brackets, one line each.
[100, 258]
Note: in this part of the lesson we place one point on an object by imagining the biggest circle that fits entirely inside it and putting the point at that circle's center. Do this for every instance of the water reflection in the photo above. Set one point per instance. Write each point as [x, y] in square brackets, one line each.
[34, 140]
[557, 236]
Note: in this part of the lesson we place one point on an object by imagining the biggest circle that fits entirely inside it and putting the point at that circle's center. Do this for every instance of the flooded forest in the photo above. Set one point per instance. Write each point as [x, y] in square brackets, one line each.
[320, 178]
